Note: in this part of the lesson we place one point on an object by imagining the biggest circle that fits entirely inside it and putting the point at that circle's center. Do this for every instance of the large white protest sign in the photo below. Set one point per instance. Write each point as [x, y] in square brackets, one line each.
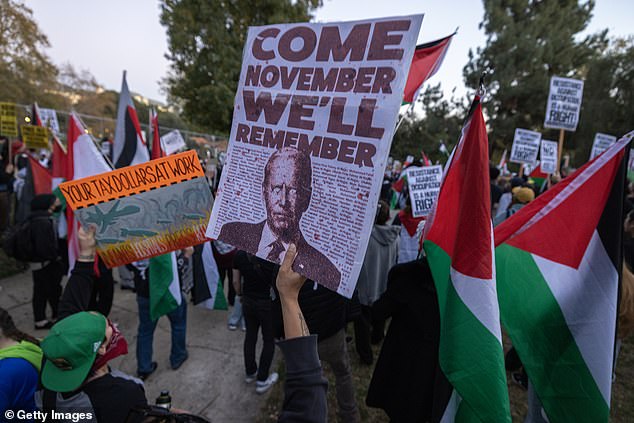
[172, 142]
[548, 156]
[424, 186]
[314, 115]
[49, 119]
[564, 103]
[525, 146]
[601, 143]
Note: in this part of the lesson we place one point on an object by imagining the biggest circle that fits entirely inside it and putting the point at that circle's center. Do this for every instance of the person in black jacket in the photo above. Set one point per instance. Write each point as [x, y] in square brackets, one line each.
[47, 277]
[305, 388]
[407, 380]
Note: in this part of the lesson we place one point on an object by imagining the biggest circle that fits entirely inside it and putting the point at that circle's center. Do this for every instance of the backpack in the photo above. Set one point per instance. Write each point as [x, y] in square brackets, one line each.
[19, 242]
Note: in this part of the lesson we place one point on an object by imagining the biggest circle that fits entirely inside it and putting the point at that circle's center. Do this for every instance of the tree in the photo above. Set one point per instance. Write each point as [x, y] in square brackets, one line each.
[608, 98]
[26, 72]
[441, 122]
[528, 41]
[205, 40]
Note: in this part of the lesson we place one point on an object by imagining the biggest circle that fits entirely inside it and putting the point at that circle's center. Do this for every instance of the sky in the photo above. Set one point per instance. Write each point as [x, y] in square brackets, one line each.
[106, 37]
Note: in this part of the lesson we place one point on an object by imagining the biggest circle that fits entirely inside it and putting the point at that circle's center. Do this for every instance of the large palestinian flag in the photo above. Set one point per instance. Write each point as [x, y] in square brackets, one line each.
[459, 247]
[558, 267]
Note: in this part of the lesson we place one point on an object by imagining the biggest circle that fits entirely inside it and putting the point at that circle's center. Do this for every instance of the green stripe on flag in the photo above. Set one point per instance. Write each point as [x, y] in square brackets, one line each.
[162, 275]
[220, 302]
[471, 357]
[534, 320]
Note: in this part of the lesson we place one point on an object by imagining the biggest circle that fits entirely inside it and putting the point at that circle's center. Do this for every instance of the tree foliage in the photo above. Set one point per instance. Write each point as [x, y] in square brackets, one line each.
[26, 72]
[205, 39]
[528, 41]
[608, 98]
[441, 122]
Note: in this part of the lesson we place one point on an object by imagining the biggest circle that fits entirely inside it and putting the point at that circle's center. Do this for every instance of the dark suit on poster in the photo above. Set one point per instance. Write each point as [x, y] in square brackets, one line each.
[309, 261]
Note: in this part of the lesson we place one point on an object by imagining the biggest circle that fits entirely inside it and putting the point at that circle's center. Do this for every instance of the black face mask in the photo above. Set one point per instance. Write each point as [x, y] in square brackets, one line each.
[57, 209]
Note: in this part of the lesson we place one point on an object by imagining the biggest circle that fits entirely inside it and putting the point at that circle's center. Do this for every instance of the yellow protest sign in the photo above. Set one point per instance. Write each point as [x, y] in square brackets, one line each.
[35, 136]
[8, 120]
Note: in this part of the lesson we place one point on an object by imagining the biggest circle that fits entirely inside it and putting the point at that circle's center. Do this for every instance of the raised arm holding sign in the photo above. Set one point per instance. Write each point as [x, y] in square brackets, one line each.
[314, 115]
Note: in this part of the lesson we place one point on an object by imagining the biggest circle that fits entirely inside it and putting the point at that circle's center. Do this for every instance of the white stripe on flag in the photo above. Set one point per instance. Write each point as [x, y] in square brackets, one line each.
[480, 296]
[449, 416]
[175, 286]
[587, 297]
[211, 274]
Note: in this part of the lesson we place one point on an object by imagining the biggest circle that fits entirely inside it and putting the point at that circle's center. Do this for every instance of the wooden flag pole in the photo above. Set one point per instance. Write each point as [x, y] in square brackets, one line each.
[521, 170]
[561, 149]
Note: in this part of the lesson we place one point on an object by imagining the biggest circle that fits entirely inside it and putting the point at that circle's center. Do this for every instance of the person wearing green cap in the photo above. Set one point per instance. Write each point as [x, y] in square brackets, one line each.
[20, 360]
[76, 375]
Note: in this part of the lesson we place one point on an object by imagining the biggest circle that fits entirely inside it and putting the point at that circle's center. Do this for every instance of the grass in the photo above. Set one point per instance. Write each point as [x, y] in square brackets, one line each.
[622, 410]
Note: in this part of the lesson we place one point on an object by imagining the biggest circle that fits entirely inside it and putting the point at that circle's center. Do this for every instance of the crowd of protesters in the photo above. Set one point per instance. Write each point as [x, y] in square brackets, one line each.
[70, 367]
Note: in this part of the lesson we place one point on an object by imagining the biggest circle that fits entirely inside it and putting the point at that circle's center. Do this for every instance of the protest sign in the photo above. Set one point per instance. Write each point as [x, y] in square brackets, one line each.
[548, 156]
[172, 142]
[564, 103]
[525, 146]
[8, 120]
[35, 136]
[424, 186]
[314, 115]
[145, 210]
[49, 119]
[601, 143]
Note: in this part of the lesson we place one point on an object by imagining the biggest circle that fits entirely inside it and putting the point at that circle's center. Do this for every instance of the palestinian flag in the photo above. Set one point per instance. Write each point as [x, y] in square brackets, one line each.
[207, 291]
[36, 118]
[539, 178]
[39, 176]
[83, 160]
[426, 61]
[129, 147]
[165, 291]
[459, 247]
[558, 268]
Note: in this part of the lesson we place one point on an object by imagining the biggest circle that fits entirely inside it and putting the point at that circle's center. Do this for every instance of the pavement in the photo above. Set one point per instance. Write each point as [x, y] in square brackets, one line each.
[210, 383]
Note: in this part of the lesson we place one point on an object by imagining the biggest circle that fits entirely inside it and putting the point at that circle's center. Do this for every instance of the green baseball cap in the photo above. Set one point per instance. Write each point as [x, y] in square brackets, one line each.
[70, 350]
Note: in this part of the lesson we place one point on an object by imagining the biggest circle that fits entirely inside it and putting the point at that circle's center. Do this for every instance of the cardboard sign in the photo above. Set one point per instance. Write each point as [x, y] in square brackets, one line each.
[314, 116]
[49, 119]
[564, 103]
[525, 146]
[8, 120]
[548, 156]
[35, 136]
[172, 142]
[601, 143]
[424, 186]
[145, 210]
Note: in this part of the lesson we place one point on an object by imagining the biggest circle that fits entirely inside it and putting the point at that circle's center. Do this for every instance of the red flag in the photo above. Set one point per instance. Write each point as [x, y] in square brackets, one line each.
[426, 61]
[426, 161]
[157, 150]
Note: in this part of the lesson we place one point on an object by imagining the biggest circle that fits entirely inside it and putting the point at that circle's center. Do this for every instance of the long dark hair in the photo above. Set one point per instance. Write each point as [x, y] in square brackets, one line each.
[10, 331]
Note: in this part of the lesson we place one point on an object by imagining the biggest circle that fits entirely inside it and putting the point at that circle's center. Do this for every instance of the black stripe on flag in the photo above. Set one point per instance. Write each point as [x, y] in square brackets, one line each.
[200, 290]
[130, 144]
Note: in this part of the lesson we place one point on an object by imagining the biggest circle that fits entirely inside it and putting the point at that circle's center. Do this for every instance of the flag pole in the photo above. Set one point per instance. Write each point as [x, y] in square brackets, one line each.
[561, 148]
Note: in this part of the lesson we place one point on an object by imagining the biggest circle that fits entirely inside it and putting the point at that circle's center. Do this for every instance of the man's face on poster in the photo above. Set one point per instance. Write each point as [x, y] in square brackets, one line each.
[286, 194]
